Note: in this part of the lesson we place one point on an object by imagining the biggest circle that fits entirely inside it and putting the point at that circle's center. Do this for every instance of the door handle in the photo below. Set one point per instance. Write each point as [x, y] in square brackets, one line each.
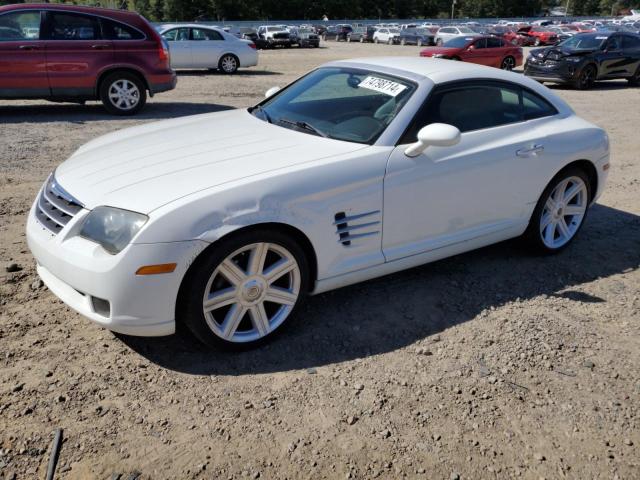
[28, 47]
[528, 152]
[99, 47]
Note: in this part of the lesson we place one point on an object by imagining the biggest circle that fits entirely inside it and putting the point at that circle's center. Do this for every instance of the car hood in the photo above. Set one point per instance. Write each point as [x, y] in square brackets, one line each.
[428, 52]
[146, 167]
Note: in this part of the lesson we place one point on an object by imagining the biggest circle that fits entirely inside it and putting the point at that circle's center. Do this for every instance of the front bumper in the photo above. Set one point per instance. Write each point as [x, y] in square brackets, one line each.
[558, 72]
[84, 276]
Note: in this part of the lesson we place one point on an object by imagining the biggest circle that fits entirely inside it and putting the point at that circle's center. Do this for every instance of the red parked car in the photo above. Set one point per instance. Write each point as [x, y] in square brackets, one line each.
[70, 53]
[516, 38]
[540, 35]
[490, 51]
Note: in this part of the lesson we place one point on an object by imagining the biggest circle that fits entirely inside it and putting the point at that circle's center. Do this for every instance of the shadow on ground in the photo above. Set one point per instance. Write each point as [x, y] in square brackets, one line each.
[239, 73]
[392, 312]
[94, 112]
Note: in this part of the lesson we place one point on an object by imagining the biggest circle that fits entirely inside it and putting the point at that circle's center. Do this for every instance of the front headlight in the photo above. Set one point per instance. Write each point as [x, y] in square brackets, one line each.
[112, 228]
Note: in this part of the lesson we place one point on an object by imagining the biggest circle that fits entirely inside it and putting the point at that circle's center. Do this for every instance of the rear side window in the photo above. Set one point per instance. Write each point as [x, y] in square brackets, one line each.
[482, 43]
[19, 26]
[113, 30]
[176, 35]
[493, 42]
[535, 106]
[479, 106]
[73, 26]
[205, 34]
[629, 42]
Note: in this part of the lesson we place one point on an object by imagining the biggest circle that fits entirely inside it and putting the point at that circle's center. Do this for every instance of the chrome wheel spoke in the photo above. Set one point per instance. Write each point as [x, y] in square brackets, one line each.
[281, 296]
[573, 210]
[220, 299]
[550, 233]
[232, 320]
[571, 193]
[257, 258]
[279, 269]
[232, 272]
[260, 319]
[563, 229]
[546, 220]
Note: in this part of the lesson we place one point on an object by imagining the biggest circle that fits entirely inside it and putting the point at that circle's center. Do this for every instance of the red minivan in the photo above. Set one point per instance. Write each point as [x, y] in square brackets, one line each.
[71, 53]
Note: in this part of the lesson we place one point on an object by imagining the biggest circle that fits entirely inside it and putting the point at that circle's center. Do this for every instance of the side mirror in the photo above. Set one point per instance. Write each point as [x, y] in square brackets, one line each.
[271, 92]
[437, 135]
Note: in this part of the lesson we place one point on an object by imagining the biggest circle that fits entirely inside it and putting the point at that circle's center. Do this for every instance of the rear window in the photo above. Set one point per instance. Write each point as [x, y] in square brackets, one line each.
[113, 30]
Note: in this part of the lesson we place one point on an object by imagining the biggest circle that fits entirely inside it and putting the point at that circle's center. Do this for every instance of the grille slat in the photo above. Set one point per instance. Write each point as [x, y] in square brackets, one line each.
[55, 207]
[345, 226]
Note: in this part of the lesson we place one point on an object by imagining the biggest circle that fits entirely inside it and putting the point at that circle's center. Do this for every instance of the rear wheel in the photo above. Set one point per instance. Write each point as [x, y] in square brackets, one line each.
[375, 40]
[390, 41]
[123, 93]
[509, 63]
[361, 39]
[403, 42]
[244, 289]
[586, 78]
[349, 38]
[560, 212]
[228, 64]
[439, 42]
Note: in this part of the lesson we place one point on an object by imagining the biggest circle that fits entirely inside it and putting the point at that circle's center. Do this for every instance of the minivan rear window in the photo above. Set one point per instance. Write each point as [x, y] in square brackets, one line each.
[113, 30]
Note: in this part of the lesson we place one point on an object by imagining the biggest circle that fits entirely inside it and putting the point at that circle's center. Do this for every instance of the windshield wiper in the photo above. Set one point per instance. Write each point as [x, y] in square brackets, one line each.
[305, 126]
[261, 110]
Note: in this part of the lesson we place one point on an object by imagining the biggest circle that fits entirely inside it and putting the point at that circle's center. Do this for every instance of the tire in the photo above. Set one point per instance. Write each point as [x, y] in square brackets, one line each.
[248, 302]
[324, 38]
[349, 38]
[390, 41]
[123, 93]
[419, 42]
[361, 39]
[228, 64]
[586, 78]
[508, 63]
[635, 80]
[539, 237]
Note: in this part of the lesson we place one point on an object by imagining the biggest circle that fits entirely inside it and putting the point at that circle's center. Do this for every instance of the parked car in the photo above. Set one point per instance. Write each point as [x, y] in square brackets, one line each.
[337, 32]
[517, 38]
[274, 36]
[307, 38]
[406, 162]
[490, 51]
[447, 33]
[251, 34]
[201, 46]
[587, 57]
[562, 33]
[386, 35]
[416, 36]
[361, 34]
[540, 35]
[75, 54]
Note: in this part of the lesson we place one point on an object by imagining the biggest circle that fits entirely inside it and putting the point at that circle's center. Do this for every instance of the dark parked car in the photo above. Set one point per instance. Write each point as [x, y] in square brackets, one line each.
[361, 34]
[416, 36]
[69, 53]
[587, 57]
[337, 32]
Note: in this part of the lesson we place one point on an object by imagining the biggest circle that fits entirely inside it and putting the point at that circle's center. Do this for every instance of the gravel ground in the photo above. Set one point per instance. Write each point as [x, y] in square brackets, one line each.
[492, 364]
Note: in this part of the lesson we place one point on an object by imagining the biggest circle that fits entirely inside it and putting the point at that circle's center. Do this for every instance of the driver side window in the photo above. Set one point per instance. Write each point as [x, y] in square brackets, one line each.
[613, 44]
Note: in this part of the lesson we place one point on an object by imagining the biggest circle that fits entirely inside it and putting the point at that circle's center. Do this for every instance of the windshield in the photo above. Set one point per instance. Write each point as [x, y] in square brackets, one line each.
[340, 103]
[584, 42]
[465, 30]
[458, 42]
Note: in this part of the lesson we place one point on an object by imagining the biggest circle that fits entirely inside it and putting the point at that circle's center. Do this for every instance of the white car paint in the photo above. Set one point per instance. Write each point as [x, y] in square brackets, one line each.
[384, 35]
[447, 33]
[200, 178]
[189, 53]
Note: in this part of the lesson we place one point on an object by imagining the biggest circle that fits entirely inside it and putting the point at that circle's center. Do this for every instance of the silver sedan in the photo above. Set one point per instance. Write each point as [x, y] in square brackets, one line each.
[201, 46]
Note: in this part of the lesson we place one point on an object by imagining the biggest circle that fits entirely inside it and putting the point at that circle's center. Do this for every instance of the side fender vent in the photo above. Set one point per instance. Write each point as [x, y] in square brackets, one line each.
[353, 227]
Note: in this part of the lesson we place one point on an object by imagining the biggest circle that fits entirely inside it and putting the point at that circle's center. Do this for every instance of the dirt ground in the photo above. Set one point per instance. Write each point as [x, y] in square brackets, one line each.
[492, 364]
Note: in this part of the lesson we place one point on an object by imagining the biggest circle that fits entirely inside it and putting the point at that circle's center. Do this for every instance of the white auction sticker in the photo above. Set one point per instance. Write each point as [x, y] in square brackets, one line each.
[388, 87]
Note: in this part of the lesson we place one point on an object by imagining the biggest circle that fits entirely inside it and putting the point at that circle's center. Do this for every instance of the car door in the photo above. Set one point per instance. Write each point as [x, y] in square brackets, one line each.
[631, 50]
[207, 47]
[477, 52]
[485, 185]
[23, 71]
[612, 60]
[179, 47]
[75, 53]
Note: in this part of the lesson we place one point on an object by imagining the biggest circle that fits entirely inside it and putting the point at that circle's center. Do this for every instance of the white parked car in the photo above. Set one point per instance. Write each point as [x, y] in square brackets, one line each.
[447, 33]
[224, 222]
[386, 35]
[200, 46]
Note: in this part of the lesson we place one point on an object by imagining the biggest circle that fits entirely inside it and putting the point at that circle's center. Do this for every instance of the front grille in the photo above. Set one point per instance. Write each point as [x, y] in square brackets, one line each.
[281, 36]
[55, 206]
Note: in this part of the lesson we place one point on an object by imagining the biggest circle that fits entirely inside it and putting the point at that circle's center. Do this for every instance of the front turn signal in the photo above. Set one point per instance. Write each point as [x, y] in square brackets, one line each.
[156, 269]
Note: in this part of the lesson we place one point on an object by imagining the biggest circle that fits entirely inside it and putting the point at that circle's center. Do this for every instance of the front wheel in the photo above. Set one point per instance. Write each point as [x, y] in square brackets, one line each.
[390, 41]
[586, 78]
[560, 212]
[635, 80]
[123, 93]
[242, 290]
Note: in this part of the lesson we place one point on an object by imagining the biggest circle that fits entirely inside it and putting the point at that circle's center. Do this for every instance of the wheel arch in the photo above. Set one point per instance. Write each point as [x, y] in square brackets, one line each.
[114, 69]
[588, 167]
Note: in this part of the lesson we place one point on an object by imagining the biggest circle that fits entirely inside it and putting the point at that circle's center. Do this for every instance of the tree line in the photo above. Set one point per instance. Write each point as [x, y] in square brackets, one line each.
[229, 10]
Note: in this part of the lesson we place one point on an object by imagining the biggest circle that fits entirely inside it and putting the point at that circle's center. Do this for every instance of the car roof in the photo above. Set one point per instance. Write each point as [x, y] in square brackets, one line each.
[167, 26]
[67, 7]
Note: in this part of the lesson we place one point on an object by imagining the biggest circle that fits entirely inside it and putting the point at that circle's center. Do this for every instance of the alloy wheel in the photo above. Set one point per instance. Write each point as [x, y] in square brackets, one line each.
[563, 212]
[228, 64]
[587, 77]
[508, 63]
[124, 94]
[251, 292]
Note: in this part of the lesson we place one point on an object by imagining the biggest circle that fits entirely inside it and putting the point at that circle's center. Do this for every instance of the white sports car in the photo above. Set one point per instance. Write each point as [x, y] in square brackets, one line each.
[201, 46]
[225, 221]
